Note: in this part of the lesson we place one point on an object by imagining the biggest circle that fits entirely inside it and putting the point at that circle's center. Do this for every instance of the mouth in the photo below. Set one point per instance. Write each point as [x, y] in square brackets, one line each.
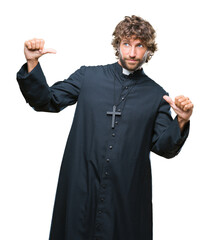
[132, 60]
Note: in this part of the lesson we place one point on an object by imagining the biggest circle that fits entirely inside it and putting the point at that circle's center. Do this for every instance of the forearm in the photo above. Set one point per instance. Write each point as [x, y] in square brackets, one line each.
[169, 143]
[33, 86]
[41, 97]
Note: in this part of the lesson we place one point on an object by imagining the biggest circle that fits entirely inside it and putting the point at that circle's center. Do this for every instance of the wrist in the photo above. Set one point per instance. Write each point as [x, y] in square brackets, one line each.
[182, 122]
[31, 64]
[32, 61]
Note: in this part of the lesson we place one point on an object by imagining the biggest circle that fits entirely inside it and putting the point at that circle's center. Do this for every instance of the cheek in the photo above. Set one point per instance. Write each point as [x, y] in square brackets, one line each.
[124, 53]
[140, 53]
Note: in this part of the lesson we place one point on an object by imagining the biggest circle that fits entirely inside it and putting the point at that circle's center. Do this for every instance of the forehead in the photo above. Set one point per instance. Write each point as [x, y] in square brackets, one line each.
[131, 39]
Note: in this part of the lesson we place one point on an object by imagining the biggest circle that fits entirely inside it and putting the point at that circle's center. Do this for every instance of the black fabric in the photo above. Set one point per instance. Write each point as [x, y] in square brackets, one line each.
[105, 189]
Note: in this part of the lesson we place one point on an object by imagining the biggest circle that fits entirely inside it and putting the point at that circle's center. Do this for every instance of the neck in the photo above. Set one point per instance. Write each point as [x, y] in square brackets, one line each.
[127, 71]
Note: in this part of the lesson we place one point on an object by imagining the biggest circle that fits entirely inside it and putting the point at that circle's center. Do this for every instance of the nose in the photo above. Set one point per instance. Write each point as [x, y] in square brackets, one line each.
[132, 52]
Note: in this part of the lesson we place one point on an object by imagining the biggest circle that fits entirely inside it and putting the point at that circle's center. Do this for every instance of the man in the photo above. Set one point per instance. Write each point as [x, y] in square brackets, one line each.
[104, 189]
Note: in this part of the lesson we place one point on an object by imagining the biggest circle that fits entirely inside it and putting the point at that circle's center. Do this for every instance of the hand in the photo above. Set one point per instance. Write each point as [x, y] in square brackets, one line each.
[33, 50]
[182, 106]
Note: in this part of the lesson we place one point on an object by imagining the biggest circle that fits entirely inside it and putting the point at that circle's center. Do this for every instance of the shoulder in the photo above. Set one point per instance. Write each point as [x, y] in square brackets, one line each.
[97, 67]
[154, 85]
[96, 70]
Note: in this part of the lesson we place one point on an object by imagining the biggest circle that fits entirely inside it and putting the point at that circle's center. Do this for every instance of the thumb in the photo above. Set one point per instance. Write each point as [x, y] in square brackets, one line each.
[169, 100]
[48, 50]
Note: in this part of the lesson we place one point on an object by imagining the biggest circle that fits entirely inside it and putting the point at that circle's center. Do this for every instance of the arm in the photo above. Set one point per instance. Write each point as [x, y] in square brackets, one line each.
[36, 91]
[169, 134]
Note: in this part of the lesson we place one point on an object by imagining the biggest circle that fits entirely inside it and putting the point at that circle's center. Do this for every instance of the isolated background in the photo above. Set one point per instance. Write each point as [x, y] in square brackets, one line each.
[32, 143]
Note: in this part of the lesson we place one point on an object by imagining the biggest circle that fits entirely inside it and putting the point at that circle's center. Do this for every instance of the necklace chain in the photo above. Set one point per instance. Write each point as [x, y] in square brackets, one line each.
[123, 98]
[115, 113]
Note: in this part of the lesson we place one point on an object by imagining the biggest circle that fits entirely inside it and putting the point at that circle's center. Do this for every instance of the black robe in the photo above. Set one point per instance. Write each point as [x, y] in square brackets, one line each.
[105, 189]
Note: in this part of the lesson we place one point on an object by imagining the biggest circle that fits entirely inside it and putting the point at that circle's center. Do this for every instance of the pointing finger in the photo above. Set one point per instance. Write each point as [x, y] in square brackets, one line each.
[48, 50]
[168, 99]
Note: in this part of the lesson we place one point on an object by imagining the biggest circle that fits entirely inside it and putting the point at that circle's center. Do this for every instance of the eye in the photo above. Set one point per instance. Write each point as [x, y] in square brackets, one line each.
[140, 45]
[126, 44]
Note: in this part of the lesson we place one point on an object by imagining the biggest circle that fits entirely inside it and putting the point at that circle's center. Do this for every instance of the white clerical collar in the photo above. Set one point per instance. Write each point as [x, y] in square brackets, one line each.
[126, 71]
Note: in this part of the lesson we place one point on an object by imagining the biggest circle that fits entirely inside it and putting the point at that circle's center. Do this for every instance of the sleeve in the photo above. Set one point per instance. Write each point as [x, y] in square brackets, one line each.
[41, 97]
[167, 139]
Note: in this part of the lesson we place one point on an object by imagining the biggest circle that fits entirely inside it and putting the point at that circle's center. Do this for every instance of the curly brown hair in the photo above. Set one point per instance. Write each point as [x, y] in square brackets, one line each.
[139, 27]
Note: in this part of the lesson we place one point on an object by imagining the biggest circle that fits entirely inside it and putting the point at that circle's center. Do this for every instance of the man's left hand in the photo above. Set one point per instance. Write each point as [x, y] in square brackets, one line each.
[182, 106]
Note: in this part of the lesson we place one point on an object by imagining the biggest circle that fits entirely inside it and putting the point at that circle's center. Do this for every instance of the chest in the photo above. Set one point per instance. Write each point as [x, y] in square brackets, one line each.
[139, 102]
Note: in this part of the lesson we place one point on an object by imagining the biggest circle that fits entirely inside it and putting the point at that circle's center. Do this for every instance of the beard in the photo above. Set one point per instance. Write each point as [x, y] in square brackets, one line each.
[132, 66]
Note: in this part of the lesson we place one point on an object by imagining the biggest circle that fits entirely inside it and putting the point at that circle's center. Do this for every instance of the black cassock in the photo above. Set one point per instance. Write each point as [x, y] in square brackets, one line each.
[105, 189]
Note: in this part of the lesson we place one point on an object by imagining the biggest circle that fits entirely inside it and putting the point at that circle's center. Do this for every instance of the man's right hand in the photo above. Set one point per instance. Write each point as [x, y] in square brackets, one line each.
[33, 50]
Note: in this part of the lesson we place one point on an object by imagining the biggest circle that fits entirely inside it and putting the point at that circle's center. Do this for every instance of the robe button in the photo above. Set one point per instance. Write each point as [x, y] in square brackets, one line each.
[98, 227]
[119, 110]
[102, 199]
[113, 134]
[106, 173]
[123, 98]
[99, 211]
[126, 87]
[116, 122]
[108, 160]
[110, 147]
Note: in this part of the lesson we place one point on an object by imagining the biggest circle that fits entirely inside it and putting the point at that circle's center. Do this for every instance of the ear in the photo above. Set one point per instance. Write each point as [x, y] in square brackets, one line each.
[119, 51]
[145, 55]
[149, 53]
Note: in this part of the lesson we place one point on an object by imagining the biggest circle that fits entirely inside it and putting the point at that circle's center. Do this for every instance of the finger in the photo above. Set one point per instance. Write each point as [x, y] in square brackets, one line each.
[179, 97]
[28, 44]
[185, 102]
[182, 101]
[33, 44]
[41, 44]
[37, 44]
[188, 107]
[168, 100]
[179, 100]
[48, 50]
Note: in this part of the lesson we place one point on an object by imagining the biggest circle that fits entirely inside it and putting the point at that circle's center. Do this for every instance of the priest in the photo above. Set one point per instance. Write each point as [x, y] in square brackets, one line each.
[104, 190]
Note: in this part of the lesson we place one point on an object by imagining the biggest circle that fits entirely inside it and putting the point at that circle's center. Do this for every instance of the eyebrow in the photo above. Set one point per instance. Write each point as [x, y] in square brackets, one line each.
[128, 40]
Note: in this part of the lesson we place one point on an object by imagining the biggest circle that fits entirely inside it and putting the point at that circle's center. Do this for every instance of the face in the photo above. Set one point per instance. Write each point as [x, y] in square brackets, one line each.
[132, 53]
